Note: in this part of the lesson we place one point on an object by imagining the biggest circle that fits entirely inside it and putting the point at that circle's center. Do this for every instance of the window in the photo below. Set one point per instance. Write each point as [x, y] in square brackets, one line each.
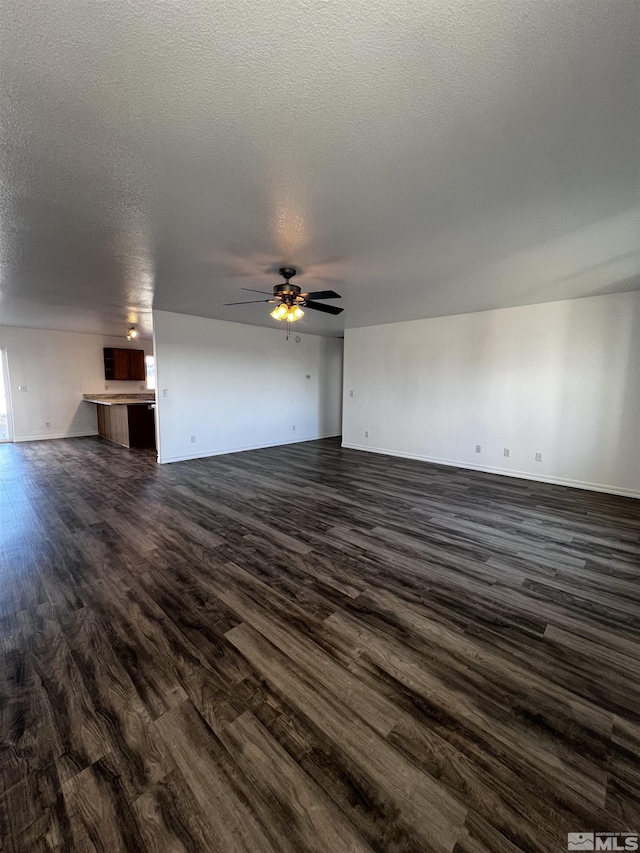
[5, 415]
[151, 372]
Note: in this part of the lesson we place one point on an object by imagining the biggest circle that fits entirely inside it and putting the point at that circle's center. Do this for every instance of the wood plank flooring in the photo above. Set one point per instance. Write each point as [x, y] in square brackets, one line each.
[422, 659]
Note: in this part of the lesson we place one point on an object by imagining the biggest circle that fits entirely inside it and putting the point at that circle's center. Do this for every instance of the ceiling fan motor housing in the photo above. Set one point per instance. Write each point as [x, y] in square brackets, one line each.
[289, 293]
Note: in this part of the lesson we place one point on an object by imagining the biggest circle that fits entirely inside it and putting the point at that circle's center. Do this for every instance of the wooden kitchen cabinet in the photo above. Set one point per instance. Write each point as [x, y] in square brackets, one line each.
[124, 364]
[130, 425]
[136, 363]
[121, 364]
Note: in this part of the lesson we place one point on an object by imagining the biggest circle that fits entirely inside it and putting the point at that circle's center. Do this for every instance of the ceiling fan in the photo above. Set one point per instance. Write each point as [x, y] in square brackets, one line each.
[290, 300]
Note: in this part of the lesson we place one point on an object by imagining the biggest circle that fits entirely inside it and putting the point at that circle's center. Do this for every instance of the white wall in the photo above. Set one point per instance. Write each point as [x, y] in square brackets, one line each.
[58, 368]
[237, 387]
[561, 379]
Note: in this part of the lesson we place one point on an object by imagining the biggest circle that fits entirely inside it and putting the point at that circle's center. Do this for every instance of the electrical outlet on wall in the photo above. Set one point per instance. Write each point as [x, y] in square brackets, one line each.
[507, 452]
[23, 387]
[165, 392]
[366, 433]
[293, 427]
[478, 448]
[351, 393]
[193, 439]
[538, 457]
[48, 424]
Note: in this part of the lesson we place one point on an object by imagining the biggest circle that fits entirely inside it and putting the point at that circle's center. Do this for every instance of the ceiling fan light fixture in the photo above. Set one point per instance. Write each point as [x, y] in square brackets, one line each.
[295, 313]
[280, 312]
[132, 333]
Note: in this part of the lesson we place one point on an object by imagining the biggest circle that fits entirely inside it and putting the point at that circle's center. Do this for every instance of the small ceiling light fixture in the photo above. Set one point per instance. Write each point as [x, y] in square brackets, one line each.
[132, 333]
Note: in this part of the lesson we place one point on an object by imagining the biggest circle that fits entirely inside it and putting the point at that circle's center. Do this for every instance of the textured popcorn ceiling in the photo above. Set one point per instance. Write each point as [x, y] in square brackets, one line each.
[422, 158]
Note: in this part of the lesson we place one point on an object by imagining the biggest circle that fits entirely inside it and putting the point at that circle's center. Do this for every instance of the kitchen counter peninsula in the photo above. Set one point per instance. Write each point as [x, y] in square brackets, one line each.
[126, 419]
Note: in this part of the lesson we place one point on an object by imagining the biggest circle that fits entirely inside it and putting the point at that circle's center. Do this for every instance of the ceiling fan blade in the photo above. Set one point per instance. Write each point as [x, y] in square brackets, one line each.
[250, 302]
[318, 306]
[322, 294]
[253, 290]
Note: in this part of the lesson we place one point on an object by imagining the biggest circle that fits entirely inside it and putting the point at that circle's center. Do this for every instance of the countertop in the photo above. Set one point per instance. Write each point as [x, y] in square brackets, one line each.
[120, 399]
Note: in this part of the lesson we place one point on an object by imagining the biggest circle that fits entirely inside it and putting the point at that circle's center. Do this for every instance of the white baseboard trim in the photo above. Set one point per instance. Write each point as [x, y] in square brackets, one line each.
[163, 460]
[504, 472]
[57, 435]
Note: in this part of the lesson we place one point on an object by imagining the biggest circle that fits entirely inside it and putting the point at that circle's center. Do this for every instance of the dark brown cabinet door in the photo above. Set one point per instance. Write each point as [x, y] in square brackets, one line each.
[124, 363]
[142, 426]
[136, 364]
[121, 364]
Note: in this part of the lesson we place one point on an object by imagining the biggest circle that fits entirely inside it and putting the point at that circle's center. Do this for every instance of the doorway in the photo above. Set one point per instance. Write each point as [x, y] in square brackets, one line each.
[6, 430]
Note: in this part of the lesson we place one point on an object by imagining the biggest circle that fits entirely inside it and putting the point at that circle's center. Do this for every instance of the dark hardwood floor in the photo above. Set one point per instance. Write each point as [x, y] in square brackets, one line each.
[311, 649]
